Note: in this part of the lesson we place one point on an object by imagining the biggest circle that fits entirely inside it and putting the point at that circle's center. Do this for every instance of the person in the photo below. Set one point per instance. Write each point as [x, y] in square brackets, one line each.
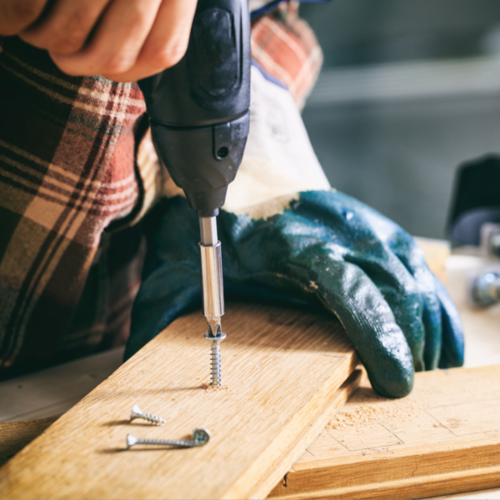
[97, 245]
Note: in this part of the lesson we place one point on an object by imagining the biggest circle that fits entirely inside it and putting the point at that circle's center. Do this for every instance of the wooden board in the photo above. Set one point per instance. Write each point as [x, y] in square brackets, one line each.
[282, 369]
[443, 438]
[14, 436]
[53, 391]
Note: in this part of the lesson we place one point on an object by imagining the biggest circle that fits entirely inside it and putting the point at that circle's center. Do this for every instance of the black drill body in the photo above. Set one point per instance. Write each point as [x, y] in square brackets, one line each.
[199, 118]
[198, 109]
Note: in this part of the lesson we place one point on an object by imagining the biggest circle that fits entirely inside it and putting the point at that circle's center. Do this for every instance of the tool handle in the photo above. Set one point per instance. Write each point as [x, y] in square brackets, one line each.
[211, 84]
[199, 108]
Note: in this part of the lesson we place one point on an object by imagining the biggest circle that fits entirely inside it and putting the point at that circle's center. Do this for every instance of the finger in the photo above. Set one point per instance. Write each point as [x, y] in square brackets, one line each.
[118, 38]
[167, 42]
[413, 258]
[16, 15]
[452, 353]
[360, 235]
[371, 325]
[66, 26]
[287, 252]
[402, 247]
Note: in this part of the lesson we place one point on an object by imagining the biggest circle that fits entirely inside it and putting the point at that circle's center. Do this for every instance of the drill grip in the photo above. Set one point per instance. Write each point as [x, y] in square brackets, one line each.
[211, 83]
[199, 108]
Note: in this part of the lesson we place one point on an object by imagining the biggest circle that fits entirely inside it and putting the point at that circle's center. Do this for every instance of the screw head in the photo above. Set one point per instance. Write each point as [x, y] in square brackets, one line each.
[136, 413]
[131, 440]
[201, 436]
[215, 340]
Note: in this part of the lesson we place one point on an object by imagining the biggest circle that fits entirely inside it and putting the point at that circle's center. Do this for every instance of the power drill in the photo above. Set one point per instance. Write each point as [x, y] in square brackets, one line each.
[199, 116]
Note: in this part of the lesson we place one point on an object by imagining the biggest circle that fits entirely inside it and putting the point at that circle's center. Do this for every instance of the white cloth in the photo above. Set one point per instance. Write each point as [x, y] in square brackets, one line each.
[279, 160]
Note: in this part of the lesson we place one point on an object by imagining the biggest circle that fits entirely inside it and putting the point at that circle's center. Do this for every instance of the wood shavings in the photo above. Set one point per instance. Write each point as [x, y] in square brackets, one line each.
[209, 387]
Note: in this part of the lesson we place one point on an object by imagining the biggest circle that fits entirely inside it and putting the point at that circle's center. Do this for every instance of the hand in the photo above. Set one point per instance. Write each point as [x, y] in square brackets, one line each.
[317, 247]
[324, 248]
[123, 40]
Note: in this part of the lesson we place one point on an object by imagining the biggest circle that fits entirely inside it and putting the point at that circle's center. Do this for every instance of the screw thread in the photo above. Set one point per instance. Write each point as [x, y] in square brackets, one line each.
[169, 442]
[153, 419]
[216, 366]
[138, 413]
[200, 438]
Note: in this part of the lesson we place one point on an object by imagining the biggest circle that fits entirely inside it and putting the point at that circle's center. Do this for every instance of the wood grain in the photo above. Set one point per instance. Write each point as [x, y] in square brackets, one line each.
[443, 438]
[14, 436]
[53, 391]
[282, 369]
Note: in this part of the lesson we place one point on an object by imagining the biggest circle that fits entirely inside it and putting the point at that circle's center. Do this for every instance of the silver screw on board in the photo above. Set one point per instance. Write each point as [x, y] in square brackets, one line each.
[215, 364]
[200, 437]
[138, 413]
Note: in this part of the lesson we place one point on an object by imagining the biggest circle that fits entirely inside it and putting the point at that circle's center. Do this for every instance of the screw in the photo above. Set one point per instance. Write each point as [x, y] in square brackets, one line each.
[138, 413]
[215, 358]
[200, 437]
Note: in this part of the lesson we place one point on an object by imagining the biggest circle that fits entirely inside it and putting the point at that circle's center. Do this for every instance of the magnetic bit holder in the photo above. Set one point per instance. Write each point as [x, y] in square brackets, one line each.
[213, 292]
[200, 438]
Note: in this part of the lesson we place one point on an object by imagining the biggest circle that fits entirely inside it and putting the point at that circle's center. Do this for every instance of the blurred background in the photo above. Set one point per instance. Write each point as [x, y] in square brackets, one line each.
[409, 90]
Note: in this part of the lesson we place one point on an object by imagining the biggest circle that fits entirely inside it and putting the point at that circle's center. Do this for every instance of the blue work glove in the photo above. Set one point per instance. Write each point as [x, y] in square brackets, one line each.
[326, 248]
[287, 235]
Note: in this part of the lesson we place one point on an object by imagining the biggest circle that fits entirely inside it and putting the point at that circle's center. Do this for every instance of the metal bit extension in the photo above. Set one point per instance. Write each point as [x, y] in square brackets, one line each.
[213, 293]
[200, 437]
[138, 413]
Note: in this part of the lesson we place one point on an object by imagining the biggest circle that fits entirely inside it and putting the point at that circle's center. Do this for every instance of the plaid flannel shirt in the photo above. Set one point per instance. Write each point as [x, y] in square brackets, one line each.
[78, 174]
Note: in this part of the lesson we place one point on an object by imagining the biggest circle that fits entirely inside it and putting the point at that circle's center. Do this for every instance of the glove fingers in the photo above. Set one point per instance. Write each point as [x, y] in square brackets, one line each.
[403, 297]
[452, 353]
[413, 258]
[357, 234]
[432, 318]
[370, 324]
[302, 248]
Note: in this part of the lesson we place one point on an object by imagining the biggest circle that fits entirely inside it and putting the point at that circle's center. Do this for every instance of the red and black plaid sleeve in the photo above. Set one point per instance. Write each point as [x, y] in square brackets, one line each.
[75, 179]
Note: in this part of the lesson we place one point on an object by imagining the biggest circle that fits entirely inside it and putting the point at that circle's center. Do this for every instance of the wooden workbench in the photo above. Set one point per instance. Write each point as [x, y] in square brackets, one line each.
[283, 372]
[443, 437]
[53, 391]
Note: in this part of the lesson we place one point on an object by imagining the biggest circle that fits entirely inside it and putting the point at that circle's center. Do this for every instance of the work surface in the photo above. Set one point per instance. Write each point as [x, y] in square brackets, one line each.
[444, 436]
[55, 390]
[281, 372]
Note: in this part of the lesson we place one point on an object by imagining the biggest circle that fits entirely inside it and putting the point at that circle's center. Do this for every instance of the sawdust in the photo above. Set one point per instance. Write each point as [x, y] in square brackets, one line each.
[358, 418]
[370, 408]
[209, 387]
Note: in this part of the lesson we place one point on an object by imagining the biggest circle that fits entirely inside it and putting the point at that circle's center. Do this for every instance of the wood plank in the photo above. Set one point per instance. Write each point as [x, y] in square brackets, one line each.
[443, 438]
[14, 436]
[282, 368]
[53, 391]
